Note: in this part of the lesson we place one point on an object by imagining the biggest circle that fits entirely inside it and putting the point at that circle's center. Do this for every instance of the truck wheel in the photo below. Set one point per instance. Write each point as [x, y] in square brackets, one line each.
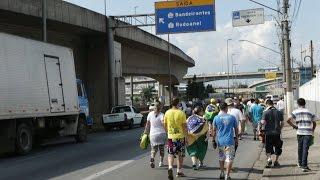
[81, 131]
[24, 139]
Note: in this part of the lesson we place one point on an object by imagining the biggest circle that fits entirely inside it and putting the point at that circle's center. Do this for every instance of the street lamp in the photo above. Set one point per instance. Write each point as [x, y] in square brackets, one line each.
[228, 64]
[135, 10]
[232, 72]
[311, 62]
[234, 66]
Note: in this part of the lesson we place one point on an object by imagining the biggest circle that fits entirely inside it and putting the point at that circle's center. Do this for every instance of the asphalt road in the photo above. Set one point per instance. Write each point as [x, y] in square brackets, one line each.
[113, 155]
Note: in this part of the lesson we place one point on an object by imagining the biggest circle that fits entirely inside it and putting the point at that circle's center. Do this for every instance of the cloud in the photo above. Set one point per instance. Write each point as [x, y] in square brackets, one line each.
[210, 52]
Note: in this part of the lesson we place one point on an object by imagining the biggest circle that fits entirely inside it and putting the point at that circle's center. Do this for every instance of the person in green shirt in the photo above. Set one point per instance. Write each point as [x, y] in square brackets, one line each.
[211, 111]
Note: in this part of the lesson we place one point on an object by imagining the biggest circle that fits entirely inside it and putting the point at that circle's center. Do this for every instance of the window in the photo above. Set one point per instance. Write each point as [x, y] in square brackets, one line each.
[135, 110]
[121, 109]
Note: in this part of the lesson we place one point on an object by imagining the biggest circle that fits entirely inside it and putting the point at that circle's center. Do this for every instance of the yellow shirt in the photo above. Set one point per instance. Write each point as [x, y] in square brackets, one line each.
[175, 120]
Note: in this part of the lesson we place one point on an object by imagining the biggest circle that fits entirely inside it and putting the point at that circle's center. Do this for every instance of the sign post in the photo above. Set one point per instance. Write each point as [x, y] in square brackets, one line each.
[248, 17]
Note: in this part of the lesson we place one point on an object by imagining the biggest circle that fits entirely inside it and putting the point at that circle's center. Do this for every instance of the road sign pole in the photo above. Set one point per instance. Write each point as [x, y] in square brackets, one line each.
[169, 66]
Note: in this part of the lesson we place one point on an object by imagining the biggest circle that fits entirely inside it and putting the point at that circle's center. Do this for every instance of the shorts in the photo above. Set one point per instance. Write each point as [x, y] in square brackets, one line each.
[274, 144]
[226, 153]
[156, 148]
[177, 147]
[257, 126]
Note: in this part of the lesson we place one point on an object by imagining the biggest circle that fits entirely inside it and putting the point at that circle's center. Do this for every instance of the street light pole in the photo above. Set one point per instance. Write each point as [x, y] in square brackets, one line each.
[232, 70]
[228, 68]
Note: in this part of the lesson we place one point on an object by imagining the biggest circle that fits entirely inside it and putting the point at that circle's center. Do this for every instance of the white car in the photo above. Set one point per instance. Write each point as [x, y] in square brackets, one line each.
[123, 116]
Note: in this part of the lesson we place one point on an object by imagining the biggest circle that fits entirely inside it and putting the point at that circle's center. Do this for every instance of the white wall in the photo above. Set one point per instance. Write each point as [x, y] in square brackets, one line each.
[310, 91]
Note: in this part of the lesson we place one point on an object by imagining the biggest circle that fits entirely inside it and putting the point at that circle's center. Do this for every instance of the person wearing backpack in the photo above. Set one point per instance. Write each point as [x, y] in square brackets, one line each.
[272, 120]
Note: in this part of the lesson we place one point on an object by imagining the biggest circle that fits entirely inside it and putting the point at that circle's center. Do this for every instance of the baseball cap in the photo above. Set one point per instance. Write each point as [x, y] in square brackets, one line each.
[212, 100]
[229, 101]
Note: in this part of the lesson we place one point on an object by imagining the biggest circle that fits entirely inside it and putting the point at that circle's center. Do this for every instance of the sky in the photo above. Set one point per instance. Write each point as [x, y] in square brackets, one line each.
[208, 49]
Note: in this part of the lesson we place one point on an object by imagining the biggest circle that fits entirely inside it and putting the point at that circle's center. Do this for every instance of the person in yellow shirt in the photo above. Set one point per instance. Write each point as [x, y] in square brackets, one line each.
[175, 124]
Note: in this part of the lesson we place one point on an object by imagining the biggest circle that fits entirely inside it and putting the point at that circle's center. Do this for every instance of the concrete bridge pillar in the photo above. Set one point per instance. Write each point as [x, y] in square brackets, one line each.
[164, 94]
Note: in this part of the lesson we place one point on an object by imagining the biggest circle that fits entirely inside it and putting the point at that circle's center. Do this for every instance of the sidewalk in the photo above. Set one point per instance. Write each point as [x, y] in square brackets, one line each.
[288, 160]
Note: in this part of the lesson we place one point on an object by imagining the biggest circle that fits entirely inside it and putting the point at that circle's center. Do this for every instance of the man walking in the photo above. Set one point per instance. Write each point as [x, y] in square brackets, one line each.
[272, 119]
[224, 127]
[236, 113]
[304, 122]
[256, 111]
[175, 125]
[280, 105]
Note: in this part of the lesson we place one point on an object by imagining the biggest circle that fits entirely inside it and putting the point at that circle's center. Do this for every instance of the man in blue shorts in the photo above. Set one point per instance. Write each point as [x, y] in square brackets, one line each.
[225, 126]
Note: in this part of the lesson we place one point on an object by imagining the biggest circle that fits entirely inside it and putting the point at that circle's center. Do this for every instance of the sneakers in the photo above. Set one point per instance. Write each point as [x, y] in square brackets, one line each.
[269, 163]
[276, 164]
[152, 163]
[306, 169]
[201, 166]
[222, 175]
[170, 174]
[161, 164]
[228, 178]
[299, 166]
[194, 167]
[180, 174]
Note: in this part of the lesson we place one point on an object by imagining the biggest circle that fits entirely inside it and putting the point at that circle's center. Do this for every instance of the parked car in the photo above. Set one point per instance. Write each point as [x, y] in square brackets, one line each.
[123, 116]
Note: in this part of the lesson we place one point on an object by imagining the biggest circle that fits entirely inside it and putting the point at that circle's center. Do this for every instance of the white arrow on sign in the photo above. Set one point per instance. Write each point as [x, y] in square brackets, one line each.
[161, 20]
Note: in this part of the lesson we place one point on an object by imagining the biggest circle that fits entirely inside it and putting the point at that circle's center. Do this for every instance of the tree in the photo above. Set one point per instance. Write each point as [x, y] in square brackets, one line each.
[147, 93]
[209, 89]
[195, 89]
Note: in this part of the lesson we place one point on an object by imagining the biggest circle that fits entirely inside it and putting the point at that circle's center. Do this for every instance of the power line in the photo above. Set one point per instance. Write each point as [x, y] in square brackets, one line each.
[297, 13]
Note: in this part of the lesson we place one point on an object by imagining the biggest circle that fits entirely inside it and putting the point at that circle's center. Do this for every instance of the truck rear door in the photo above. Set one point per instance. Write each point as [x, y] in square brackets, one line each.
[54, 83]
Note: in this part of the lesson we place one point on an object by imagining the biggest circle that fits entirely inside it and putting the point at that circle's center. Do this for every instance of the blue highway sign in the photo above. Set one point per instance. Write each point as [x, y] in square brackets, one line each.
[182, 18]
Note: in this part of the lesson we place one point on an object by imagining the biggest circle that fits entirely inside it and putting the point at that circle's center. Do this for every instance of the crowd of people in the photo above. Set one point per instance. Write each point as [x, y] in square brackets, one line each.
[224, 123]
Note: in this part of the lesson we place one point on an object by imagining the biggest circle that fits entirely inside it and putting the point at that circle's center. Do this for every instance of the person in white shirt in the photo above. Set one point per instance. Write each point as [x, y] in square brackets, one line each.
[236, 113]
[280, 105]
[157, 134]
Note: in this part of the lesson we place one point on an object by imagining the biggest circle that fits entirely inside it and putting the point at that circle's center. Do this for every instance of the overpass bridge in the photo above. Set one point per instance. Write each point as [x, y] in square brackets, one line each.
[103, 55]
[240, 75]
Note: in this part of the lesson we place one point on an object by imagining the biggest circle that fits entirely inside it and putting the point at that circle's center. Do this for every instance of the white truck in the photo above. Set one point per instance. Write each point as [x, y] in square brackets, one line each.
[123, 116]
[38, 94]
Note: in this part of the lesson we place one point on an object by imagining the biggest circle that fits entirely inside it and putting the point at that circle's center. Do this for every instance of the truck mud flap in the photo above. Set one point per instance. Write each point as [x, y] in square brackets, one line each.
[7, 136]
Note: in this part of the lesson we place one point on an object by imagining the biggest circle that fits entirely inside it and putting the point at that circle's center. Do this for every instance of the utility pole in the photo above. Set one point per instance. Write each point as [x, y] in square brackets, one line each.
[287, 59]
[311, 50]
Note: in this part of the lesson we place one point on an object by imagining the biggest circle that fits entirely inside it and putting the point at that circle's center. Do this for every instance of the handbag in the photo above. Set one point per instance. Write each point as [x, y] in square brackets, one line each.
[144, 141]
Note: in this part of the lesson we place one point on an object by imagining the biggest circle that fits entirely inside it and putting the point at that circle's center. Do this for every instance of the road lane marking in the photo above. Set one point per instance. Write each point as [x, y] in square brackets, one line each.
[113, 168]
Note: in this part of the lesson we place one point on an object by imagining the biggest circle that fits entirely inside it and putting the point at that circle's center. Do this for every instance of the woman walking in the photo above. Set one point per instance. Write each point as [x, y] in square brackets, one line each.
[156, 133]
[197, 137]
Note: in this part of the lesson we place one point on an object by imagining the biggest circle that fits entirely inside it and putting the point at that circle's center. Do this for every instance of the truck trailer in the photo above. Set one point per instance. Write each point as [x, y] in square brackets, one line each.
[38, 94]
